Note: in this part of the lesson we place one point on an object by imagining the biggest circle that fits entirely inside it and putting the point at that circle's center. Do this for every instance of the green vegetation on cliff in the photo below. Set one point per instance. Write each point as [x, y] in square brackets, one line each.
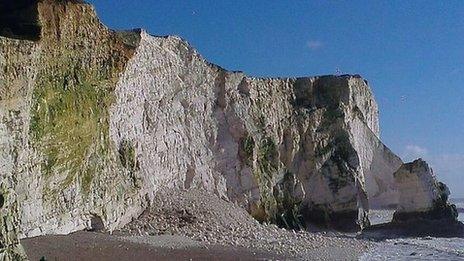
[265, 173]
[69, 122]
[288, 210]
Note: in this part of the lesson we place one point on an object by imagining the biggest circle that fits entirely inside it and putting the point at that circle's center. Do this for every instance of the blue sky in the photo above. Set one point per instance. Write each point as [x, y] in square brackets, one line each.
[411, 52]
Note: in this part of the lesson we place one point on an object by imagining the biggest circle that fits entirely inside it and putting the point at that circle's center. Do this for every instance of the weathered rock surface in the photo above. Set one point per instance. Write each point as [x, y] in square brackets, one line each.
[421, 196]
[93, 123]
[423, 208]
[10, 249]
[269, 144]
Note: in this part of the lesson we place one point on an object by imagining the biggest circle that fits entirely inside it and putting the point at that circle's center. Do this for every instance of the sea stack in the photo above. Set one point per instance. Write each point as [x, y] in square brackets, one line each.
[421, 195]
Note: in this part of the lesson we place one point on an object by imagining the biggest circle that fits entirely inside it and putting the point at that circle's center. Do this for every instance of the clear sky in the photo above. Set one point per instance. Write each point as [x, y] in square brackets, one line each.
[411, 52]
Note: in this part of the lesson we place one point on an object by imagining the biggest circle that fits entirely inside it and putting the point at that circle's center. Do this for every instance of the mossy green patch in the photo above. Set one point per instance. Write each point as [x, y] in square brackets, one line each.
[268, 156]
[265, 174]
[288, 214]
[247, 148]
[70, 121]
[127, 156]
[342, 159]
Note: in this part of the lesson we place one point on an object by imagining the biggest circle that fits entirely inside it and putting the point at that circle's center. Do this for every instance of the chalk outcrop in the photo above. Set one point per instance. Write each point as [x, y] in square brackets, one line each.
[10, 249]
[423, 208]
[93, 123]
[421, 196]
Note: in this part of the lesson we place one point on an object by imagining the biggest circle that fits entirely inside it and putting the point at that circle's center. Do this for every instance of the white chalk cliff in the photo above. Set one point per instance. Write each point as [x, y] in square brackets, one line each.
[94, 122]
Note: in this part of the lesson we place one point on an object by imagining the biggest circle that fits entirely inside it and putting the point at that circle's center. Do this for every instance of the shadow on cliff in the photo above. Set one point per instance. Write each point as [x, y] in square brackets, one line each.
[19, 20]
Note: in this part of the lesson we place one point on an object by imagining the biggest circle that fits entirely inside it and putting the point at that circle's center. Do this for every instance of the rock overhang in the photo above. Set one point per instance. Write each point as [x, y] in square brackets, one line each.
[19, 19]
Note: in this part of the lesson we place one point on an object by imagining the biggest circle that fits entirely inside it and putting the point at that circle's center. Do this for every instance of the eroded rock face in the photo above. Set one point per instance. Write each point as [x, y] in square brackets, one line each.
[268, 144]
[10, 249]
[421, 196]
[94, 122]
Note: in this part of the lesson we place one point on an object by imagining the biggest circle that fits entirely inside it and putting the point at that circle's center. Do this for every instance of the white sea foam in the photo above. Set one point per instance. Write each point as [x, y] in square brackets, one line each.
[428, 248]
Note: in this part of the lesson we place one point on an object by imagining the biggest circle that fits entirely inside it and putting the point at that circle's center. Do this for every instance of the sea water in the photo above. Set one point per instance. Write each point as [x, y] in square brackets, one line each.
[428, 248]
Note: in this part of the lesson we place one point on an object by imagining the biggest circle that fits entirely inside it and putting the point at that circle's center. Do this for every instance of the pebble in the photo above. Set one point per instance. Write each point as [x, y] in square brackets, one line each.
[221, 222]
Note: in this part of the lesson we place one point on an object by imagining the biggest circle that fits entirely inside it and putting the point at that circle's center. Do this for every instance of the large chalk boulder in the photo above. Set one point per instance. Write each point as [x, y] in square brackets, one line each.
[421, 196]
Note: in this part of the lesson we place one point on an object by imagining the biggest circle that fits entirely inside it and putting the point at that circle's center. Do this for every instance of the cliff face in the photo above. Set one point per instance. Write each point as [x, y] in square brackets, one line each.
[59, 93]
[93, 123]
[265, 143]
